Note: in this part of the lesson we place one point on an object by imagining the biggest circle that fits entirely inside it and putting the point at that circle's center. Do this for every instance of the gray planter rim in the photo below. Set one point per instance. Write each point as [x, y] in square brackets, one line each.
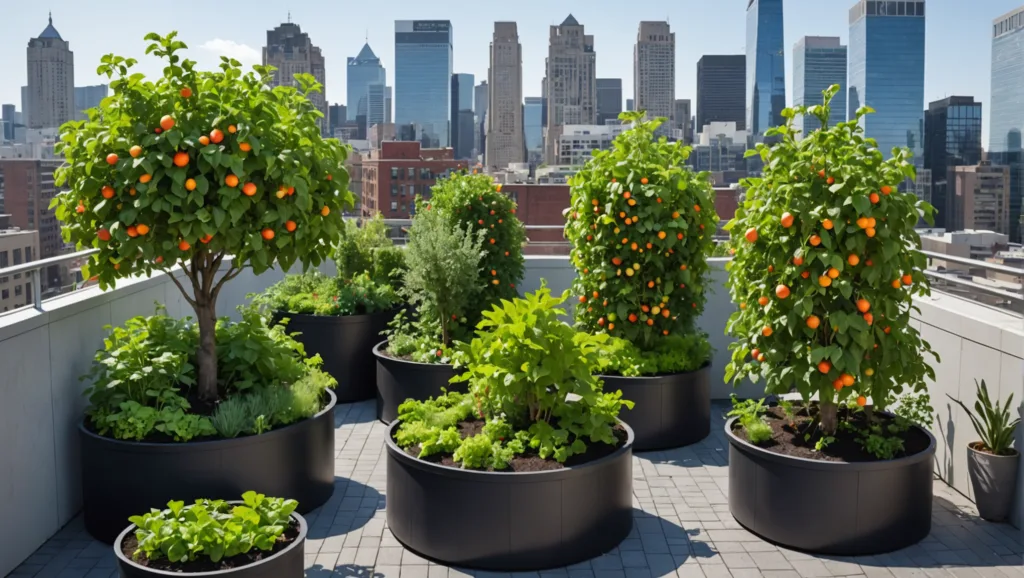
[378, 350]
[330, 319]
[1016, 452]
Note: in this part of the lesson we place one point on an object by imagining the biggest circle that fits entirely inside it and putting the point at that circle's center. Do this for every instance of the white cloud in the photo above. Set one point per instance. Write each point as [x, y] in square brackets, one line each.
[243, 53]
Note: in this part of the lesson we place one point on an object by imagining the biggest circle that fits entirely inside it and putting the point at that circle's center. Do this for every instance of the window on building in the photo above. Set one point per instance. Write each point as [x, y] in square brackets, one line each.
[28, 254]
[5, 294]
[17, 290]
[411, 173]
[28, 288]
[3, 260]
[394, 189]
[394, 172]
[17, 256]
[425, 174]
[394, 205]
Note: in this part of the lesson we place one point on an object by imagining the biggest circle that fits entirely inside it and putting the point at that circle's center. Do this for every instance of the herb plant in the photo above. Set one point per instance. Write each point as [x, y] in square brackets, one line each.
[313, 293]
[367, 248]
[992, 422]
[678, 353]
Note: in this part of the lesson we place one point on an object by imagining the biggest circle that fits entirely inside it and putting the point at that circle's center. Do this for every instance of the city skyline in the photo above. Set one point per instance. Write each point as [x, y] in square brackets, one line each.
[963, 69]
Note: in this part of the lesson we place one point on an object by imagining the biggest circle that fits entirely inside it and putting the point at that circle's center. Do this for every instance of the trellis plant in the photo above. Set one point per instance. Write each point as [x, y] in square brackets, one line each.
[826, 267]
[200, 169]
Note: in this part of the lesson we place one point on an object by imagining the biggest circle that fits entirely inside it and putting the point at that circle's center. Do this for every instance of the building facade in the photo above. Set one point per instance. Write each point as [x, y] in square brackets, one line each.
[361, 71]
[463, 139]
[576, 143]
[290, 50]
[423, 76]
[1006, 110]
[609, 99]
[654, 73]
[87, 97]
[980, 199]
[766, 67]
[505, 111]
[886, 72]
[480, 101]
[533, 129]
[28, 189]
[721, 90]
[395, 173]
[719, 148]
[818, 63]
[682, 120]
[376, 103]
[50, 92]
[952, 137]
[571, 82]
[17, 246]
[337, 114]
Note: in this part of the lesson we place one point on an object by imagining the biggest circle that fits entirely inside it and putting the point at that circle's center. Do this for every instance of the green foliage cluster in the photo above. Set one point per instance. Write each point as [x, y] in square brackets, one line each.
[680, 353]
[531, 382]
[641, 225]
[212, 529]
[750, 414]
[266, 407]
[992, 422]
[915, 407]
[367, 248]
[313, 293]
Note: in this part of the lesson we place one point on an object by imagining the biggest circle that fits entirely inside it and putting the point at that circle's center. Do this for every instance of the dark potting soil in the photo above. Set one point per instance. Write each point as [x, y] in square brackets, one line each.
[788, 436]
[527, 461]
[202, 564]
[408, 358]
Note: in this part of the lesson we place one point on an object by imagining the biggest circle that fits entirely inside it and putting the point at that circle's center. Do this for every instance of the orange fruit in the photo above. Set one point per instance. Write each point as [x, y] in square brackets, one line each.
[869, 318]
[249, 189]
[874, 198]
[601, 322]
[167, 122]
[761, 358]
[821, 173]
[103, 234]
[762, 301]
[583, 298]
[159, 259]
[886, 190]
[107, 191]
[862, 401]
[798, 261]
[180, 159]
[231, 181]
[696, 208]
[133, 232]
[824, 366]
[870, 232]
[787, 220]
[871, 222]
[680, 237]
[675, 215]
[896, 284]
[830, 180]
[837, 384]
[755, 352]
[665, 313]
[135, 151]
[80, 208]
[827, 224]
[204, 140]
[232, 129]
[632, 318]
[616, 261]
[650, 284]
[186, 92]
[661, 234]
[644, 181]
[625, 195]
[833, 273]
[863, 305]
[649, 245]
[267, 234]
[848, 379]
[751, 234]
[327, 211]
[805, 274]
[682, 267]
[245, 147]
[112, 159]
[650, 322]
[216, 136]
[824, 280]
[853, 260]
[206, 239]
[782, 291]
[815, 240]
[862, 222]
[633, 246]
[767, 331]
[131, 192]
[281, 193]
[813, 322]
[184, 246]
[142, 228]
[145, 178]
[907, 279]
[190, 185]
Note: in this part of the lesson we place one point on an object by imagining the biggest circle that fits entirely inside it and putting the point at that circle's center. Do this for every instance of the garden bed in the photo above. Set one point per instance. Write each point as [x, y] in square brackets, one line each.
[399, 379]
[670, 410]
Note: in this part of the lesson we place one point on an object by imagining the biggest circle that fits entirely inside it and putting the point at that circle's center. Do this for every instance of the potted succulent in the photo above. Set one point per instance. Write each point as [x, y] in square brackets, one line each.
[640, 223]
[210, 173]
[341, 317]
[827, 264]
[257, 537]
[531, 469]
[992, 462]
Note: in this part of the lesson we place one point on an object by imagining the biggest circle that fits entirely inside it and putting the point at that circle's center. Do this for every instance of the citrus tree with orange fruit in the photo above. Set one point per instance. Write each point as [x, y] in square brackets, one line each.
[210, 171]
[826, 267]
[641, 225]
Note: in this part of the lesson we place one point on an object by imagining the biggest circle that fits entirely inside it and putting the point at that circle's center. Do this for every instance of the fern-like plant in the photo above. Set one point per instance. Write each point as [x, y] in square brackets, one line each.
[992, 422]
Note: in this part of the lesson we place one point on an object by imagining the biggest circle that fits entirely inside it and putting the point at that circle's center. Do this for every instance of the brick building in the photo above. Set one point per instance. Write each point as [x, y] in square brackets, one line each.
[395, 173]
[541, 205]
[28, 189]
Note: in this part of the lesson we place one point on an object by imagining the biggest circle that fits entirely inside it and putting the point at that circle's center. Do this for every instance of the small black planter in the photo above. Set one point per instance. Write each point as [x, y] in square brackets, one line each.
[847, 509]
[344, 343]
[124, 478]
[513, 520]
[670, 411]
[399, 380]
[287, 563]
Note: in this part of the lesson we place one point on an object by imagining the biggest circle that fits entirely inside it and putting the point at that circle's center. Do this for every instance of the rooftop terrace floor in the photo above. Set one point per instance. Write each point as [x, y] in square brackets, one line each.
[682, 528]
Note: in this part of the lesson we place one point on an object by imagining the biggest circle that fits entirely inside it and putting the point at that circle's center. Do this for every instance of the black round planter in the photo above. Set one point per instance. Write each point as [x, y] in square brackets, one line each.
[288, 563]
[669, 411]
[847, 509]
[509, 521]
[124, 478]
[399, 380]
[344, 342]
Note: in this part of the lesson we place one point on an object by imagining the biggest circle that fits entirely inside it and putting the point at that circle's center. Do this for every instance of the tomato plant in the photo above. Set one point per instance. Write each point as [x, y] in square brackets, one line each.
[826, 266]
[200, 169]
[641, 225]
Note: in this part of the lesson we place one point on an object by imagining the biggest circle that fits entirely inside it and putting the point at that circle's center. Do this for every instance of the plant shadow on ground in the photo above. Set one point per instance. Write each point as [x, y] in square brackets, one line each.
[711, 451]
[660, 545]
[351, 507]
[355, 413]
[343, 571]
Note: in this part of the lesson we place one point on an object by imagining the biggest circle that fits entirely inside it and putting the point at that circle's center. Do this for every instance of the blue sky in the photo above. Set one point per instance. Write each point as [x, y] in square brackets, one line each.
[958, 35]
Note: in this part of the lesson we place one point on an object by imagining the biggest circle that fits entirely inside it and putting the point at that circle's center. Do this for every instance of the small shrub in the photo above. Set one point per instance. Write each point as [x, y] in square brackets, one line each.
[992, 423]
[313, 293]
[674, 354]
[367, 248]
[757, 430]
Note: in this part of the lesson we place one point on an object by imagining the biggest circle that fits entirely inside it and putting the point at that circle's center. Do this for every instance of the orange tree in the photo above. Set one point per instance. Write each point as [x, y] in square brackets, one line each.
[475, 203]
[199, 169]
[826, 265]
[640, 223]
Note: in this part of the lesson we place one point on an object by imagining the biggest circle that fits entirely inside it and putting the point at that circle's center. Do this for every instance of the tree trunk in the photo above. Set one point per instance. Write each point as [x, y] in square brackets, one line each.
[829, 417]
[206, 355]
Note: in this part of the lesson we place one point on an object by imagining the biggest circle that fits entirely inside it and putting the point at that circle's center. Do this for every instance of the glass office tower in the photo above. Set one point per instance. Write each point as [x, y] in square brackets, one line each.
[818, 63]
[363, 70]
[952, 138]
[1007, 107]
[423, 76]
[766, 66]
[533, 128]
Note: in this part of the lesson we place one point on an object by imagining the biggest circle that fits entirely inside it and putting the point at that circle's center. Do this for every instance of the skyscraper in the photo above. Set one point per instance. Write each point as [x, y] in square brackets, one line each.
[952, 137]
[376, 97]
[533, 128]
[818, 63]
[681, 118]
[480, 100]
[363, 70]
[1007, 107]
[463, 141]
[571, 72]
[423, 78]
[886, 60]
[609, 99]
[629, 105]
[336, 116]
[87, 97]
[388, 104]
[51, 80]
[505, 111]
[766, 66]
[721, 91]
[290, 50]
[654, 72]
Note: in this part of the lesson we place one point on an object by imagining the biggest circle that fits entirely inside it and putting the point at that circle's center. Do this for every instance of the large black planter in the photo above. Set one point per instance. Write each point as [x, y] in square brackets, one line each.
[288, 563]
[847, 509]
[399, 380]
[344, 343]
[670, 411]
[124, 478]
[509, 521]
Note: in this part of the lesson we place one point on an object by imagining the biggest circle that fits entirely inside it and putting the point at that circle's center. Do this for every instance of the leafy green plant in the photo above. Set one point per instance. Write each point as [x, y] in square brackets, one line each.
[914, 406]
[678, 353]
[209, 171]
[826, 267]
[641, 225]
[313, 293]
[757, 430]
[367, 248]
[991, 422]
[212, 529]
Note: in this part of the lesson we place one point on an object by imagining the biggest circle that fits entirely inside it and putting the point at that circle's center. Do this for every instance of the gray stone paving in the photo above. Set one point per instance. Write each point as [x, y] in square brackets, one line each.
[682, 528]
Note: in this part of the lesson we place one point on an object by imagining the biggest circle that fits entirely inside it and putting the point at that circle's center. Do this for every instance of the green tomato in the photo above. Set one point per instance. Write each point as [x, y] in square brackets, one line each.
[611, 317]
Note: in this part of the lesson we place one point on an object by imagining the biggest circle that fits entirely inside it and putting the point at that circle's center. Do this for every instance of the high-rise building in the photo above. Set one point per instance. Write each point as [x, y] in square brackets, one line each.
[654, 72]
[290, 50]
[480, 101]
[609, 99]
[505, 111]
[87, 97]
[980, 198]
[1007, 107]
[533, 129]
[952, 137]
[766, 67]
[576, 143]
[721, 90]
[361, 71]
[376, 94]
[571, 72]
[49, 98]
[388, 104]
[337, 114]
[463, 138]
[26, 102]
[630, 105]
[719, 148]
[423, 78]
[8, 114]
[818, 63]
[28, 189]
[886, 72]
[17, 246]
[397, 172]
[682, 119]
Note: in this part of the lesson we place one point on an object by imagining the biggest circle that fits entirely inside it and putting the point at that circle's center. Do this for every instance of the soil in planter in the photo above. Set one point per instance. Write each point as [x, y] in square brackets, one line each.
[408, 358]
[527, 461]
[788, 436]
[202, 564]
